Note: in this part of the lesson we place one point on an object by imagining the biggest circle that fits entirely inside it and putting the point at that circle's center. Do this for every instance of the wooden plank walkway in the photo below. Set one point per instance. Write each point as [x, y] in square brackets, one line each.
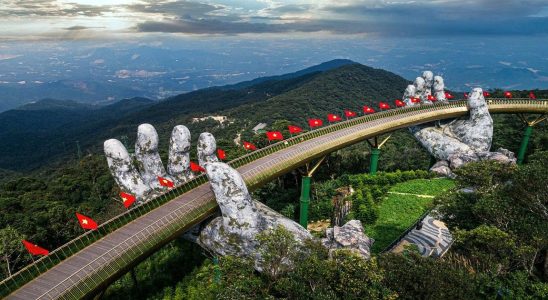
[94, 267]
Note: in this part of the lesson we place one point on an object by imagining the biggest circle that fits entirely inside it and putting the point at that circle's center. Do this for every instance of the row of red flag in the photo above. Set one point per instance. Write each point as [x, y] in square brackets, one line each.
[277, 136]
[84, 221]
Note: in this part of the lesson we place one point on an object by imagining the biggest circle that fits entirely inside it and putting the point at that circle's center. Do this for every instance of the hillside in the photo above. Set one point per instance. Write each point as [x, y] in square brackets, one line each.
[52, 129]
[346, 87]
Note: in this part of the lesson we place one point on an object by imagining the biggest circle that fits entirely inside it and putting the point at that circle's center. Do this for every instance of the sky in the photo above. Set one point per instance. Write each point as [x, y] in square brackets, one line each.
[129, 19]
[166, 47]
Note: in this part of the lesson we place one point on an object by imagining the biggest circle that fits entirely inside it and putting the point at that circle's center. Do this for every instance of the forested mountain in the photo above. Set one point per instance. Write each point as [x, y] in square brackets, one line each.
[52, 127]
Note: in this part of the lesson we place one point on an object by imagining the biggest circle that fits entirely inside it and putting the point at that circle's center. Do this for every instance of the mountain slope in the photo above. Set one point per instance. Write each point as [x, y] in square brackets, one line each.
[35, 138]
[348, 87]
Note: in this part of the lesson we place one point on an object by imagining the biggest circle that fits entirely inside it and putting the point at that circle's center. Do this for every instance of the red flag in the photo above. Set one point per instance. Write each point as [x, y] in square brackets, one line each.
[486, 94]
[507, 94]
[315, 123]
[333, 118]
[384, 105]
[274, 135]
[349, 114]
[448, 95]
[196, 167]
[399, 103]
[466, 95]
[86, 222]
[368, 110]
[221, 154]
[415, 100]
[127, 199]
[294, 129]
[432, 98]
[165, 182]
[249, 146]
[532, 95]
[34, 249]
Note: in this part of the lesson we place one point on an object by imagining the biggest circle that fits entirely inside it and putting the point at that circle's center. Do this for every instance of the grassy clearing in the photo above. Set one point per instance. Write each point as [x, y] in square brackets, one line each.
[432, 187]
[398, 212]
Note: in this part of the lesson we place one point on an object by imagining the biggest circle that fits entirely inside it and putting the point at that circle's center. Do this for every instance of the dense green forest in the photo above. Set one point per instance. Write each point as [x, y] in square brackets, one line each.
[43, 182]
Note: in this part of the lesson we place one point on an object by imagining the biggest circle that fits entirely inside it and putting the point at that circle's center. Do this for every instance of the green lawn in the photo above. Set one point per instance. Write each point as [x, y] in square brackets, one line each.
[398, 212]
[431, 187]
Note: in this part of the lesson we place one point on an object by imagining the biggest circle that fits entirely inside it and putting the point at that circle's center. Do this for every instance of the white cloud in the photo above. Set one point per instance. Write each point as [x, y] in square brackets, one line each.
[137, 74]
[8, 56]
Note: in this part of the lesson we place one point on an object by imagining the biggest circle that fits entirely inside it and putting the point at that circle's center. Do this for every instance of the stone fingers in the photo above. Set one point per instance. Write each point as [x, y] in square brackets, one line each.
[207, 147]
[122, 169]
[146, 152]
[178, 165]
[237, 207]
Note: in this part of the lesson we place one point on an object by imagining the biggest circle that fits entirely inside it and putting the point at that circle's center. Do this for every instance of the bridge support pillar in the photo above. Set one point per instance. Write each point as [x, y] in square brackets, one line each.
[527, 135]
[305, 201]
[374, 160]
[305, 192]
[217, 270]
[524, 143]
[375, 152]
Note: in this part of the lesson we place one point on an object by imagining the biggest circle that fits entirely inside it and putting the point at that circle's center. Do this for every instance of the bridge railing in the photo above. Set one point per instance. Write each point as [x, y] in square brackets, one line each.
[45, 263]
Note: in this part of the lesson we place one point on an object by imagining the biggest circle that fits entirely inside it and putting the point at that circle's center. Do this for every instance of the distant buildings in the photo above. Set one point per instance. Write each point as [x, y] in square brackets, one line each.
[259, 128]
[220, 119]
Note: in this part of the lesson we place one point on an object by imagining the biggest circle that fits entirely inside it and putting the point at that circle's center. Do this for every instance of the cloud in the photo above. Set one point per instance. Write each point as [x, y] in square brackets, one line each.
[49, 8]
[137, 74]
[76, 28]
[8, 56]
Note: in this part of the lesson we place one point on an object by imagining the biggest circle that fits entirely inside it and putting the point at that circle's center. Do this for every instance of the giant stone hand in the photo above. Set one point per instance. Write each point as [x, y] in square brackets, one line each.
[459, 141]
[242, 218]
[142, 180]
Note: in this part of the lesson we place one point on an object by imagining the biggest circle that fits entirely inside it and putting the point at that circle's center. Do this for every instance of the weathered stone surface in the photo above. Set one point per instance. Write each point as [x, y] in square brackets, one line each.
[349, 236]
[142, 180]
[178, 165]
[442, 168]
[458, 141]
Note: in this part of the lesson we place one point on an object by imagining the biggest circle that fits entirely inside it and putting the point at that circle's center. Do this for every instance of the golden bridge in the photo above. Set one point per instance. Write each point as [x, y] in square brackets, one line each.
[89, 263]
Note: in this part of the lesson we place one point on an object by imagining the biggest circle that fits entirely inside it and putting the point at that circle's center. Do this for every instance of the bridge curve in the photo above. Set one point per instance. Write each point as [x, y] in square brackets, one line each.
[89, 263]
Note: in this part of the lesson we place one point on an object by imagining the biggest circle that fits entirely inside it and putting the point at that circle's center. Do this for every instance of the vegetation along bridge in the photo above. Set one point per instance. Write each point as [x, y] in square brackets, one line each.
[89, 263]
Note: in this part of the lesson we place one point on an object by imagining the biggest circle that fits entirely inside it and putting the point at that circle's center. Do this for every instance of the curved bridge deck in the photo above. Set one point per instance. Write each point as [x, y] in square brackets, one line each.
[90, 262]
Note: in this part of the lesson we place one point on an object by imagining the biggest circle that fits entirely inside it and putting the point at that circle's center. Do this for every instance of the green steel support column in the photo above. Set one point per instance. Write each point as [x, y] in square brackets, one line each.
[217, 270]
[374, 160]
[524, 142]
[305, 200]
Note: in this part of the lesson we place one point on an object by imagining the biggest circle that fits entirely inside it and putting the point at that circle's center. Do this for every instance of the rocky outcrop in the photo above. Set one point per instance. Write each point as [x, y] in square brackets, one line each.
[456, 142]
[242, 218]
[349, 236]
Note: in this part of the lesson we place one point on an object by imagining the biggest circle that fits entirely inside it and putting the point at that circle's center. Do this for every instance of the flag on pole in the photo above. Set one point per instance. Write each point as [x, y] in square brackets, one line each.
[399, 103]
[333, 118]
[221, 154]
[507, 94]
[368, 110]
[274, 136]
[127, 199]
[294, 129]
[415, 100]
[432, 98]
[465, 95]
[448, 95]
[486, 94]
[315, 123]
[349, 114]
[34, 249]
[165, 182]
[249, 146]
[86, 222]
[194, 167]
[384, 105]
[532, 95]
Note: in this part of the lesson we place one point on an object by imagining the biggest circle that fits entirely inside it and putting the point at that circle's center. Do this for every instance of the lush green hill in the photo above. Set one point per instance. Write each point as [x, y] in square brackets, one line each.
[52, 128]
